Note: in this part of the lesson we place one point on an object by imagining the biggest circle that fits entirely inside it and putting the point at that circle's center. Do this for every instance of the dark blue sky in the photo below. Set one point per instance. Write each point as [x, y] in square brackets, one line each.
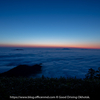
[58, 23]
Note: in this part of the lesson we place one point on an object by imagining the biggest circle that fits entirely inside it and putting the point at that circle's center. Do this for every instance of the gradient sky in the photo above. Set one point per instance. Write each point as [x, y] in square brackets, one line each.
[55, 23]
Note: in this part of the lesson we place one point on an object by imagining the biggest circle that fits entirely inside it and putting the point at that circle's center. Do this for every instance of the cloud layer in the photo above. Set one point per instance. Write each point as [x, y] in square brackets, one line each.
[55, 62]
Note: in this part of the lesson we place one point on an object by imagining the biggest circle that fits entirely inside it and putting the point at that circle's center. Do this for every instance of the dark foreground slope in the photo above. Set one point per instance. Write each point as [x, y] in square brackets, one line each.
[23, 71]
[70, 87]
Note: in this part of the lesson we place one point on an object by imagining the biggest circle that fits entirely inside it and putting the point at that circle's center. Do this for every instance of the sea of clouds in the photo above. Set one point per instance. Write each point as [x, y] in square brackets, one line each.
[55, 62]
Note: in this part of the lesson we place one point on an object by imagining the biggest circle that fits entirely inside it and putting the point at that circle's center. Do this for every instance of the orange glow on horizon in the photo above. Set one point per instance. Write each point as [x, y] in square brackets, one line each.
[86, 46]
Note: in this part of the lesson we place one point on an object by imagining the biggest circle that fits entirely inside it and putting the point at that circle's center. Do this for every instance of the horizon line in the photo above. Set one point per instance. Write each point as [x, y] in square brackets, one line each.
[45, 46]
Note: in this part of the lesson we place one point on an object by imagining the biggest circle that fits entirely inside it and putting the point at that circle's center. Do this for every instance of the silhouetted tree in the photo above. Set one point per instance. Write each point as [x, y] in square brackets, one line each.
[90, 74]
[98, 73]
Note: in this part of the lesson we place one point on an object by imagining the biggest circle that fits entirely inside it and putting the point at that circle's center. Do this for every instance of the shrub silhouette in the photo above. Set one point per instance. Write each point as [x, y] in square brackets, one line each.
[92, 74]
[98, 73]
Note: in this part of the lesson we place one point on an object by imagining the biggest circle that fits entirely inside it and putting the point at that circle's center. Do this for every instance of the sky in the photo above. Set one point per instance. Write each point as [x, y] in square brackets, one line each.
[50, 23]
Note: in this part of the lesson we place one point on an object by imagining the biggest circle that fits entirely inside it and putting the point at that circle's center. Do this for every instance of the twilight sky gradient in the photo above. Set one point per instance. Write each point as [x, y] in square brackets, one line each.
[50, 23]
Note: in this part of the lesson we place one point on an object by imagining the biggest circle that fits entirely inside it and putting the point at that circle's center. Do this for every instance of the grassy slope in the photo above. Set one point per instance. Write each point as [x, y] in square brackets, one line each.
[48, 86]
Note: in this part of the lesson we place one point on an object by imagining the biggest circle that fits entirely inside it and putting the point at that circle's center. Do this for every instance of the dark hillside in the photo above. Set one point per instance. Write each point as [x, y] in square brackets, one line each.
[23, 71]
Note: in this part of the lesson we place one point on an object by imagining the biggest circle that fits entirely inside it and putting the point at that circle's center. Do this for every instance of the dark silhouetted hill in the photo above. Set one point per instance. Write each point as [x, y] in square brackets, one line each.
[23, 71]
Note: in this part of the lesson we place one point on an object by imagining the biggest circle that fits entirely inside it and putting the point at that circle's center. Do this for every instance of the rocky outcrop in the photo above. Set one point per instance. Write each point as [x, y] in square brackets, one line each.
[23, 71]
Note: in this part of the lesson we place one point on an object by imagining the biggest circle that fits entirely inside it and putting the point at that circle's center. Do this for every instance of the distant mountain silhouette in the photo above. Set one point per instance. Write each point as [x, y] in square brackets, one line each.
[84, 49]
[65, 49]
[22, 70]
[18, 49]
